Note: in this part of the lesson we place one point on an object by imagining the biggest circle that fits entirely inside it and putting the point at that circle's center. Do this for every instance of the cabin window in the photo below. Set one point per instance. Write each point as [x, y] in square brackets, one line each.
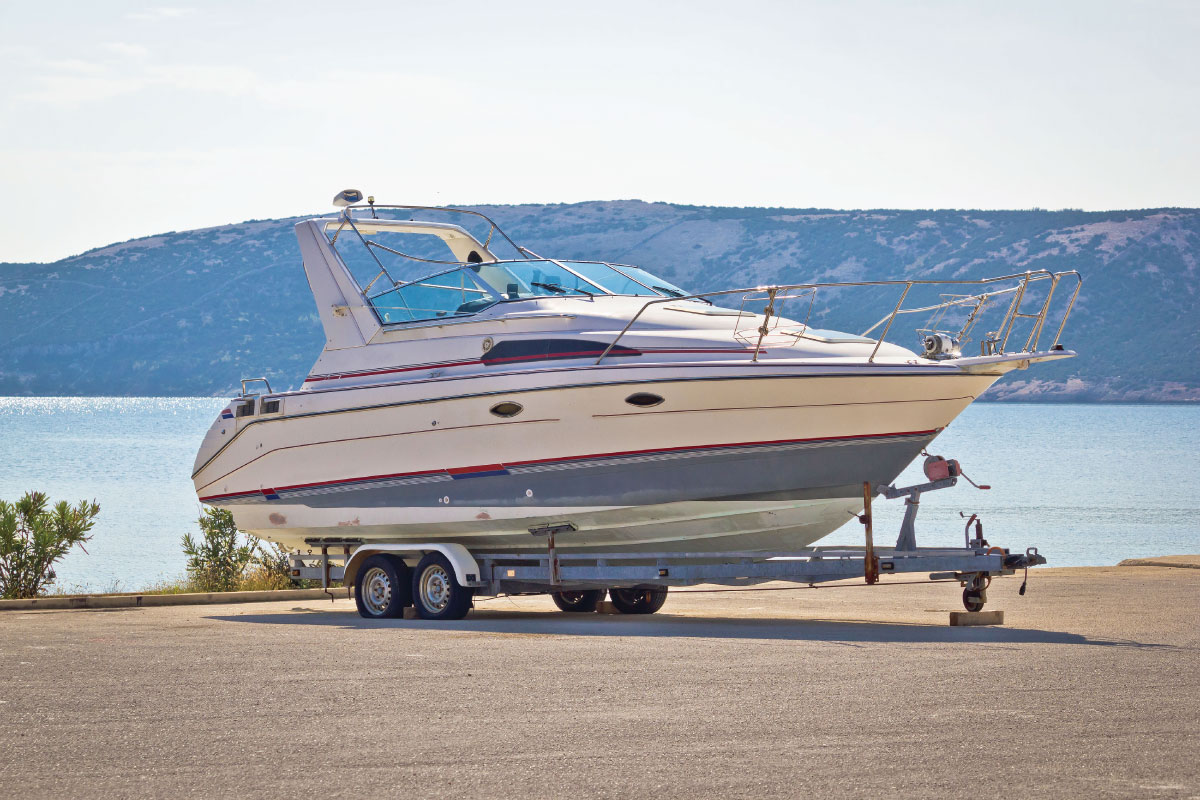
[507, 409]
[643, 399]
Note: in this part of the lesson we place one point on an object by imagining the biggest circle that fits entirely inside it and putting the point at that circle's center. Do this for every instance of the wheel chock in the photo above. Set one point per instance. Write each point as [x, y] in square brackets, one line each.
[606, 607]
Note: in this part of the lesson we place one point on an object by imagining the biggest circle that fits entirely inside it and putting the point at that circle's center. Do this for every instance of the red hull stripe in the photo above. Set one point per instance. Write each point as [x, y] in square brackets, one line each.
[501, 469]
[474, 472]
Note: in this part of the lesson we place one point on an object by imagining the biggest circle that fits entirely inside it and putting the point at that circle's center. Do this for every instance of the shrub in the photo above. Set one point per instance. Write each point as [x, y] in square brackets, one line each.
[220, 563]
[217, 561]
[33, 537]
[271, 569]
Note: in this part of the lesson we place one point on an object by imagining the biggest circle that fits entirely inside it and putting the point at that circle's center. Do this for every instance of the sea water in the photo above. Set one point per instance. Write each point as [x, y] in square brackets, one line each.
[1086, 484]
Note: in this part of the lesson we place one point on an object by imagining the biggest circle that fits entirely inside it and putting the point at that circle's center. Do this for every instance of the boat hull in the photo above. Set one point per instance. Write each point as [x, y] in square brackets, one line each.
[759, 462]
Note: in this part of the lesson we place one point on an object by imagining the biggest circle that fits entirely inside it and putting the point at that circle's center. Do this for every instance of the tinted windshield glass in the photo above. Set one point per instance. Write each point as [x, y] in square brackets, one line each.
[653, 281]
[450, 294]
[610, 279]
[517, 279]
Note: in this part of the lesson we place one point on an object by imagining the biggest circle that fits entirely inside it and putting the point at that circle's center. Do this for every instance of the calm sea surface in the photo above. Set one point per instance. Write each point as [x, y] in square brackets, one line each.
[1087, 485]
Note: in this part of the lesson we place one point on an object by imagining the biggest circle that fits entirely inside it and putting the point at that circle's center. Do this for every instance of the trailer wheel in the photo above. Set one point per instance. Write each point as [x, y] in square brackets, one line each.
[638, 601]
[973, 599]
[436, 593]
[581, 601]
[381, 588]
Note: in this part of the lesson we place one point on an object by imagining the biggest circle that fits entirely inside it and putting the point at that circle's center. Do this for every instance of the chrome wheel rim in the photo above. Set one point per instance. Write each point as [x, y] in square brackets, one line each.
[435, 587]
[376, 591]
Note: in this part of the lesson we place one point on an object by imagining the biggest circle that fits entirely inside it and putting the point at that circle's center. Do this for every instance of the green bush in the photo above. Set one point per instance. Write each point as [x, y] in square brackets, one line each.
[33, 537]
[219, 562]
[271, 569]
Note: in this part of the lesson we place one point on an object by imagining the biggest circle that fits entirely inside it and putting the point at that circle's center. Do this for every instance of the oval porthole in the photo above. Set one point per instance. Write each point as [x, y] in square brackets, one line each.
[643, 400]
[507, 409]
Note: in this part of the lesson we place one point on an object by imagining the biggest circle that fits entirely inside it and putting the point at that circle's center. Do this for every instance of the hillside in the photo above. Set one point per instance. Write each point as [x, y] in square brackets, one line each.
[190, 313]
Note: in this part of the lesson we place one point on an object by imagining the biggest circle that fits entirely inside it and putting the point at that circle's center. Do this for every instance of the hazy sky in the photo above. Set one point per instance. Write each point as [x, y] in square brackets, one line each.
[121, 119]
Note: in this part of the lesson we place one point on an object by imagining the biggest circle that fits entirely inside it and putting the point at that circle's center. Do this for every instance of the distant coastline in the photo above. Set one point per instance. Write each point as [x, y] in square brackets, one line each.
[187, 314]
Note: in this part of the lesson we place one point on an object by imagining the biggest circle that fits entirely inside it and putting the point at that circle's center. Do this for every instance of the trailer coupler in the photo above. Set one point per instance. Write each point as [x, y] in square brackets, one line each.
[1030, 558]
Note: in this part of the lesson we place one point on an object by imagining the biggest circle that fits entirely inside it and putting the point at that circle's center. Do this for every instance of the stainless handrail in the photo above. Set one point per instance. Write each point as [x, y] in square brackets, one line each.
[957, 301]
[254, 380]
[1070, 305]
[1025, 278]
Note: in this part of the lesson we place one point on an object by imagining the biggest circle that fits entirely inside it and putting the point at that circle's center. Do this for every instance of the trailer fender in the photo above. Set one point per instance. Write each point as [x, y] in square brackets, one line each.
[466, 569]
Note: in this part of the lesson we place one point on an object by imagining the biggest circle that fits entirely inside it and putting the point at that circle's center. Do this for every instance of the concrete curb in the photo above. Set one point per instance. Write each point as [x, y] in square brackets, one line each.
[134, 600]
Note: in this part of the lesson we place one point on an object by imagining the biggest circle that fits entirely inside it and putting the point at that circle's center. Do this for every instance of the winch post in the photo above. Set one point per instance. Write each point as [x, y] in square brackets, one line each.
[907, 540]
[870, 562]
[942, 478]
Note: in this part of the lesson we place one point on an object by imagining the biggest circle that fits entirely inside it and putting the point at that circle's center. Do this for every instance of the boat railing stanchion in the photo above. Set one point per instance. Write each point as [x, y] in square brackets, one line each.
[765, 328]
[870, 562]
[899, 304]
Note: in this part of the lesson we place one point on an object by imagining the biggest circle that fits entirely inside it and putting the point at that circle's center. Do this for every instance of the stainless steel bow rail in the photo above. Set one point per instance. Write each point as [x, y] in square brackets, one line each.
[549, 570]
[993, 343]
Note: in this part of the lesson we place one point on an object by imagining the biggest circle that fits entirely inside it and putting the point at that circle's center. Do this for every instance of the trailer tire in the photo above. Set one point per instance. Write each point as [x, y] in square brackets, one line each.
[638, 601]
[382, 587]
[581, 601]
[436, 593]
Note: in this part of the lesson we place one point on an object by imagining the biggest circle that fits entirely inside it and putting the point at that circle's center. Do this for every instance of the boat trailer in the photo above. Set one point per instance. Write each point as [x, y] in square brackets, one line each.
[550, 571]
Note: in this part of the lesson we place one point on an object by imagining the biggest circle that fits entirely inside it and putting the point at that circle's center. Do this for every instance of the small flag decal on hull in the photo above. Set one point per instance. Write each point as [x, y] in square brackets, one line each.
[226, 414]
[270, 494]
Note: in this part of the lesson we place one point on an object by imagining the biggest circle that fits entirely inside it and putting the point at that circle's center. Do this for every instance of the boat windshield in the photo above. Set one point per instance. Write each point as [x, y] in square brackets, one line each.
[454, 293]
[474, 287]
[622, 279]
[518, 280]
[616, 280]
[391, 259]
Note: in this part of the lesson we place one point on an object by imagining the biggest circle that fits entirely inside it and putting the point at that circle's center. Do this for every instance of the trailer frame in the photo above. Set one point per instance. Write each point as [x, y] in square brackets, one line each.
[553, 571]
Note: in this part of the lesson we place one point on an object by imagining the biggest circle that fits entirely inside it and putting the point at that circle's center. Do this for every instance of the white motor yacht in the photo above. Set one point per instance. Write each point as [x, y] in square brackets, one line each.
[470, 391]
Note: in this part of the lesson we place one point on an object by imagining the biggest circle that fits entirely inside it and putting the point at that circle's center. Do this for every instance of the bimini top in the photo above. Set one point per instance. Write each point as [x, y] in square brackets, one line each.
[422, 270]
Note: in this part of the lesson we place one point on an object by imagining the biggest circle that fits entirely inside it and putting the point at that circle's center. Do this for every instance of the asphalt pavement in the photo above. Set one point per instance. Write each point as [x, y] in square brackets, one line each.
[1091, 688]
